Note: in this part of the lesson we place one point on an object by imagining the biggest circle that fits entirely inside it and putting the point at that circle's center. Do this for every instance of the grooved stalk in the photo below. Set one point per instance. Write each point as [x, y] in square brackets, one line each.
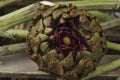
[18, 17]
[102, 69]
[14, 34]
[95, 4]
[110, 24]
[12, 49]
[114, 46]
[102, 16]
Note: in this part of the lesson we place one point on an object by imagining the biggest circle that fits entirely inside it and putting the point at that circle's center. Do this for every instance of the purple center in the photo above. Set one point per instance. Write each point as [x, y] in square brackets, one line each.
[66, 39]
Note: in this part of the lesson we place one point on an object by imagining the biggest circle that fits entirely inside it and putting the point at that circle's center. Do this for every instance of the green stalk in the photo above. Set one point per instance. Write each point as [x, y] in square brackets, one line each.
[102, 16]
[28, 12]
[12, 49]
[94, 4]
[111, 21]
[113, 46]
[14, 34]
[102, 69]
[110, 24]
[18, 17]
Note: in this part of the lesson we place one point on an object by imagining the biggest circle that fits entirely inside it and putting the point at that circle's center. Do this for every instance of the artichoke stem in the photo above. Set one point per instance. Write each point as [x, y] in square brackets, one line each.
[12, 49]
[104, 68]
[113, 46]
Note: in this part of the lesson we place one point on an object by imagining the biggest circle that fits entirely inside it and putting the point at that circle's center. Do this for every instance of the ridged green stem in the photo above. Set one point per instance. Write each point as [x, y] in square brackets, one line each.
[14, 34]
[17, 17]
[12, 49]
[104, 68]
[113, 46]
[102, 16]
[110, 24]
[95, 4]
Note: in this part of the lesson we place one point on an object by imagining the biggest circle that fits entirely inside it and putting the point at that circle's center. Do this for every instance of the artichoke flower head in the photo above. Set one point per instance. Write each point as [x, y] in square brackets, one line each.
[66, 41]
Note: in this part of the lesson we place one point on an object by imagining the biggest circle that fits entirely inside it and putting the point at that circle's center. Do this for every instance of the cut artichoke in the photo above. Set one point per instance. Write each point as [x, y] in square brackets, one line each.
[66, 41]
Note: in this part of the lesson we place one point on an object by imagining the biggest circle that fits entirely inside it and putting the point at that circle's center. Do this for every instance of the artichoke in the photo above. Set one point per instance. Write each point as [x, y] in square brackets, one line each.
[66, 41]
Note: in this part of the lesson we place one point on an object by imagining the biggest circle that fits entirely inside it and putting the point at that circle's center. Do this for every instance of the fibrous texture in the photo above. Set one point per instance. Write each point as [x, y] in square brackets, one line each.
[66, 41]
